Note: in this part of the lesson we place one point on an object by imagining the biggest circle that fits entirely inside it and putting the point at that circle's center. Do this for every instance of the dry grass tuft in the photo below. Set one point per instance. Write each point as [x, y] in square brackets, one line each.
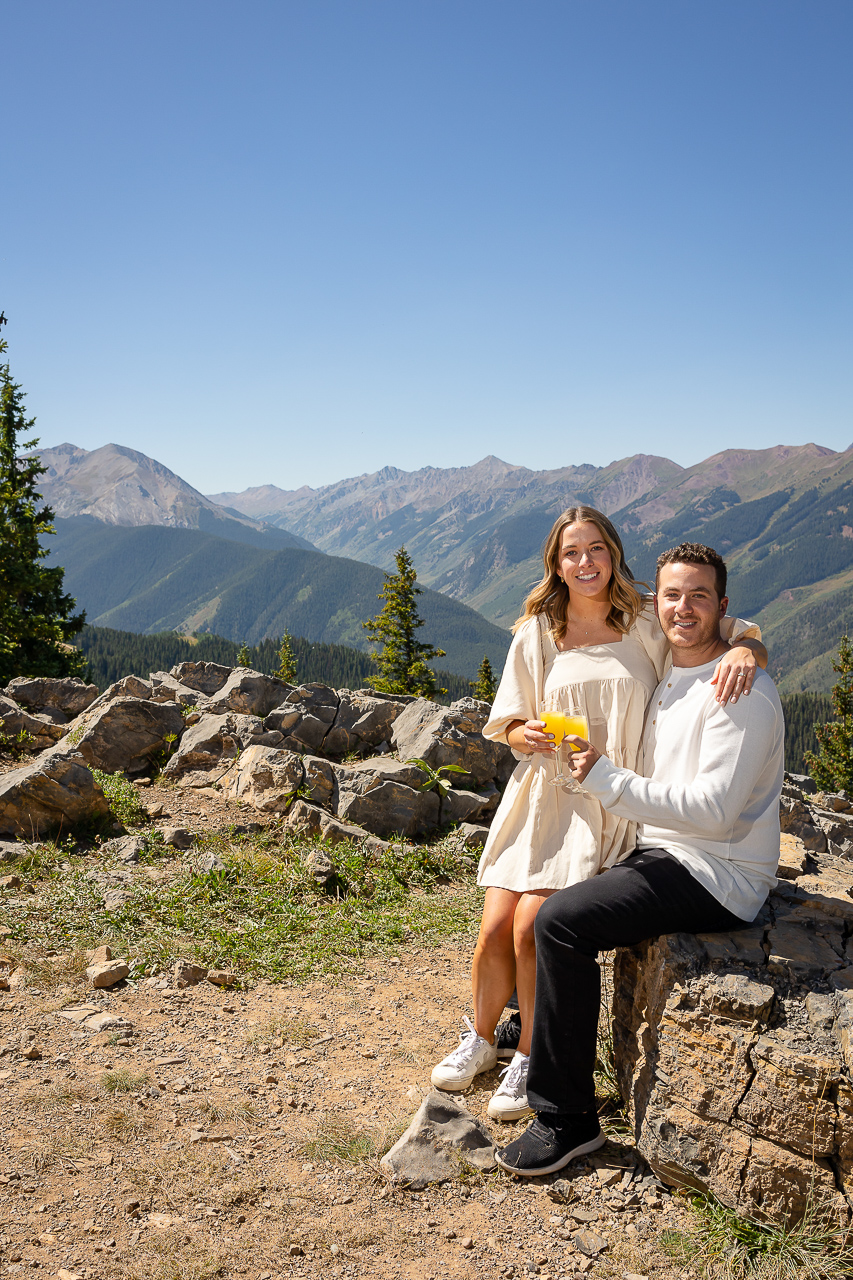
[175, 1255]
[66, 973]
[121, 1080]
[56, 1149]
[337, 1139]
[122, 1125]
[284, 1029]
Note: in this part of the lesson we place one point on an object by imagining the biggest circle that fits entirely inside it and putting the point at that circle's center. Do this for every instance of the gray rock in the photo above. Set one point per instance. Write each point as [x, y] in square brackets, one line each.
[370, 795]
[473, 835]
[126, 849]
[211, 862]
[739, 998]
[363, 721]
[14, 721]
[205, 677]
[443, 1137]
[66, 694]
[165, 688]
[209, 746]
[127, 687]
[266, 778]
[321, 866]
[115, 899]
[177, 837]
[802, 781]
[309, 820]
[305, 716]
[247, 692]
[10, 850]
[123, 735]
[463, 806]
[52, 793]
[450, 735]
[589, 1243]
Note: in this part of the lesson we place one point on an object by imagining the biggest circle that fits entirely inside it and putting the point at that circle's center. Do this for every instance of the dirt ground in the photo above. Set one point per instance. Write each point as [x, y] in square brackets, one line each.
[245, 1142]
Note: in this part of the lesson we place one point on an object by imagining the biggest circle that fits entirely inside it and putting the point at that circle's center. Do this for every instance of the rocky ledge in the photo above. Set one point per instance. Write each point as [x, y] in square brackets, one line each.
[735, 1051]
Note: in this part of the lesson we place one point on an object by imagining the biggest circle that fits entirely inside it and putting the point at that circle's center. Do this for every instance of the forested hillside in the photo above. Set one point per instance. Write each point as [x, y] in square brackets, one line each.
[803, 711]
[113, 654]
[154, 579]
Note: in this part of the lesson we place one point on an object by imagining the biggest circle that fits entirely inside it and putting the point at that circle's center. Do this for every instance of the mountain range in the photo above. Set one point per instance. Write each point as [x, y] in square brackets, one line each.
[783, 517]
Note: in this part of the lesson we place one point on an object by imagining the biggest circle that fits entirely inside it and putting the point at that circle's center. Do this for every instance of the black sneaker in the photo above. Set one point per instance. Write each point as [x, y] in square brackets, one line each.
[507, 1037]
[550, 1142]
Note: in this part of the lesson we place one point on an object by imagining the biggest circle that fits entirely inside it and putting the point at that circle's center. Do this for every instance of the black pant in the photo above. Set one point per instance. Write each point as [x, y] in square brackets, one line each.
[647, 895]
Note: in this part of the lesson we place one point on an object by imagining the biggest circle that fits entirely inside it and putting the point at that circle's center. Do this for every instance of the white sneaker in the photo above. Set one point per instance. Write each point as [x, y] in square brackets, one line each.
[472, 1055]
[509, 1101]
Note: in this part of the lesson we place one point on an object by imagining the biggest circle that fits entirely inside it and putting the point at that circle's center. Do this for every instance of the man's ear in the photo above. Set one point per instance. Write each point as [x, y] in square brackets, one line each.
[724, 606]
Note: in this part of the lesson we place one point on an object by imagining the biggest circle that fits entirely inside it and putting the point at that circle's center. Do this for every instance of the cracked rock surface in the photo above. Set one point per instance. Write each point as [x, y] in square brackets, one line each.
[736, 1051]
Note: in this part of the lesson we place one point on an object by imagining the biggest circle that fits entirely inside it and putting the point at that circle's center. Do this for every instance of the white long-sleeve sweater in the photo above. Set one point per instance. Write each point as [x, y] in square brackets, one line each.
[711, 794]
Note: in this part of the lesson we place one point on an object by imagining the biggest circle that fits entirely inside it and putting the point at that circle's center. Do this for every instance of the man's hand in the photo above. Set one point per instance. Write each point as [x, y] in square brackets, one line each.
[584, 756]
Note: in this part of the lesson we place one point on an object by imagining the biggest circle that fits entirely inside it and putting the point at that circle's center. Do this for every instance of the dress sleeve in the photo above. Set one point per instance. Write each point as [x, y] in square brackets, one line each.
[656, 645]
[732, 629]
[518, 693]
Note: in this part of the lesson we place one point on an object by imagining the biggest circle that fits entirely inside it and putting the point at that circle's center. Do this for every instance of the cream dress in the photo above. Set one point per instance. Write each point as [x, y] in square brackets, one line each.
[545, 837]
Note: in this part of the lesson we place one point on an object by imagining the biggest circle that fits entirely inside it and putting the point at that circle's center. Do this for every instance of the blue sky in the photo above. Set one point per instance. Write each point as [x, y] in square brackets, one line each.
[293, 242]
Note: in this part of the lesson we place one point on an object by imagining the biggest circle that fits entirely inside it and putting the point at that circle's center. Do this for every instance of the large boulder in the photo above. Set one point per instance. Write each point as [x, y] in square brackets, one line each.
[14, 720]
[266, 778]
[67, 694]
[50, 795]
[247, 692]
[127, 687]
[309, 820]
[204, 677]
[363, 722]
[209, 746]
[381, 796]
[124, 735]
[452, 735]
[734, 1050]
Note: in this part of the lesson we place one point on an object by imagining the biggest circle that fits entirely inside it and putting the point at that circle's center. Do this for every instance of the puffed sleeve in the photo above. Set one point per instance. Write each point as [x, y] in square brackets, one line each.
[520, 689]
[656, 645]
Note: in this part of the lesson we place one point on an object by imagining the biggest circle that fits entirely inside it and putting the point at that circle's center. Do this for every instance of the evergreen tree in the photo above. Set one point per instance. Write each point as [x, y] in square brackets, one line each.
[287, 660]
[832, 769]
[244, 656]
[486, 683]
[402, 659]
[36, 617]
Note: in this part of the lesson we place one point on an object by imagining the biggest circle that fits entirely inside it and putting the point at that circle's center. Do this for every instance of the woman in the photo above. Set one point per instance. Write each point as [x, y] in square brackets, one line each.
[588, 631]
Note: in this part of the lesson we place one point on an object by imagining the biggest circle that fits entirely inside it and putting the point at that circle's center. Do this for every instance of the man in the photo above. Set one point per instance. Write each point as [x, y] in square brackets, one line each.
[706, 856]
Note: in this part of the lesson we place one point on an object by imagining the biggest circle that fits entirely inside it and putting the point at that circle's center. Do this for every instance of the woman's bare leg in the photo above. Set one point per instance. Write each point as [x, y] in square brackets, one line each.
[493, 971]
[524, 945]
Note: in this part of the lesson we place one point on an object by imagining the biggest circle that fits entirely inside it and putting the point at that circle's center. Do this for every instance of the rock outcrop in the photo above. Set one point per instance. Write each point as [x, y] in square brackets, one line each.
[735, 1051]
[50, 795]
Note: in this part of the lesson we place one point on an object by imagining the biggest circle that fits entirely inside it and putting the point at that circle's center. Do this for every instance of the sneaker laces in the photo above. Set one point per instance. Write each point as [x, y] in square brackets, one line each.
[466, 1043]
[515, 1073]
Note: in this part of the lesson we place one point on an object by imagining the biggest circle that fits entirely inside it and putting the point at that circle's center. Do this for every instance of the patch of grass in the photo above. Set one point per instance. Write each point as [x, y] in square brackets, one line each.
[339, 1140]
[121, 1080]
[264, 916]
[121, 1125]
[174, 1255]
[53, 973]
[284, 1029]
[56, 1149]
[818, 1247]
[123, 798]
[16, 746]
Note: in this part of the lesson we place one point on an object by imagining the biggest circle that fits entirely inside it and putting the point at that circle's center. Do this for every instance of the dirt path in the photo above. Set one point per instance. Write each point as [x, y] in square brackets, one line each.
[241, 1139]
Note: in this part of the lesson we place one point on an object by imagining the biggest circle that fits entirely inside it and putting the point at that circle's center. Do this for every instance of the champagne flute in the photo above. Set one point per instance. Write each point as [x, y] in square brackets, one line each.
[563, 719]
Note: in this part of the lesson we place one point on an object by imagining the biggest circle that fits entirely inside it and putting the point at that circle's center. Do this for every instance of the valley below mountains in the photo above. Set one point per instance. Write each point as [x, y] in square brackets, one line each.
[143, 551]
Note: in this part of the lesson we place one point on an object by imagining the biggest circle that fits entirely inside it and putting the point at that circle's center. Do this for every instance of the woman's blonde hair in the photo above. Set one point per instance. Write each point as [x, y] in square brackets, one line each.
[551, 595]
